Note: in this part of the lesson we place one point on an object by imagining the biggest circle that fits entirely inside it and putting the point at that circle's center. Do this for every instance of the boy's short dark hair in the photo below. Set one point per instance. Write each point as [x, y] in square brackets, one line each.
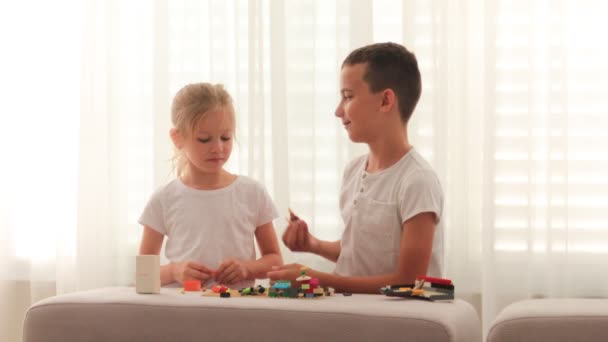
[390, 66]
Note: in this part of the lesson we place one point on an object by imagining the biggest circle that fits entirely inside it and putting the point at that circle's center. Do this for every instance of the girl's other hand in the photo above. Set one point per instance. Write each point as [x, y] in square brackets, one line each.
[232, 271]
[189, 270]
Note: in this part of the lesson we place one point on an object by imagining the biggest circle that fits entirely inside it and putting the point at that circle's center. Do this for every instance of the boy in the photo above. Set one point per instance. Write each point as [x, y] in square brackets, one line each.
[391, 199]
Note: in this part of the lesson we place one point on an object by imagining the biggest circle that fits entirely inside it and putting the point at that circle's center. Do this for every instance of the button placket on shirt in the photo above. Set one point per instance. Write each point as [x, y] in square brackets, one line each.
[362, 187]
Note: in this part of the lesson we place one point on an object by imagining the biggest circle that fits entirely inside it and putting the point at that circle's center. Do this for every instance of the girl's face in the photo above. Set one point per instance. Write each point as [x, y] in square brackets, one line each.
[210, 144]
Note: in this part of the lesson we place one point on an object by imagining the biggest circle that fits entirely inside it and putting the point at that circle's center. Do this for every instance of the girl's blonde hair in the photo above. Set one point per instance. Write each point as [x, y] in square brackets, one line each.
[192, 103]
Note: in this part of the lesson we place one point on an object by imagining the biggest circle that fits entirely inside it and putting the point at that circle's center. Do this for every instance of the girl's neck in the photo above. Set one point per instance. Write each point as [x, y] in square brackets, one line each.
[207, 181]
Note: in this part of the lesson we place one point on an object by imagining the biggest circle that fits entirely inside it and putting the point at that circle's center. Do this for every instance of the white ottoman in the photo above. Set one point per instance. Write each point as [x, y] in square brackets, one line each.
[555, 320]
[119, 314]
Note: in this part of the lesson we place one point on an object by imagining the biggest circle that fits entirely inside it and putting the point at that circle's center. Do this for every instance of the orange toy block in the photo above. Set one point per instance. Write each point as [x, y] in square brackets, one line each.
[192, 285]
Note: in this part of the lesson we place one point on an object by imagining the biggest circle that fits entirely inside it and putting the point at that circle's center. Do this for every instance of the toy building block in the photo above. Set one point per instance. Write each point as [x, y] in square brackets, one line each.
[253, 291]
[192, 285]
[260, 289]
[291, 292]
[303, 277]
[425, 288]
[219, 288]
[281, 284]
[292, 215]
[307, 288]
[434, 280]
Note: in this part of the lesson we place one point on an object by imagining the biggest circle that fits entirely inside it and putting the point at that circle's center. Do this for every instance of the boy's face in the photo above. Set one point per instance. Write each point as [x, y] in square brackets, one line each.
[210, 144]
[358, 107]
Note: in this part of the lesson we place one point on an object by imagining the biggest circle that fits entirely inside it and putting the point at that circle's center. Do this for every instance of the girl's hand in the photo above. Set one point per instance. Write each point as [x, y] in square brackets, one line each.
[232, 271]
[297, 238]
[189, 270]
[286, 272]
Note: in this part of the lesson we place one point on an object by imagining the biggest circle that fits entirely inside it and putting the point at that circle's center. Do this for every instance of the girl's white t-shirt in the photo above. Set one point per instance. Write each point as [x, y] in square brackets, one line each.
[375, 206]
[210, 226]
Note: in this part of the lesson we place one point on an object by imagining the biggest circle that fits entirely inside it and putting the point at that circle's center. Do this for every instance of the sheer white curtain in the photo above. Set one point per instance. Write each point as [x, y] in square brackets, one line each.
[512, 117]
[545, 228]
[39, 118]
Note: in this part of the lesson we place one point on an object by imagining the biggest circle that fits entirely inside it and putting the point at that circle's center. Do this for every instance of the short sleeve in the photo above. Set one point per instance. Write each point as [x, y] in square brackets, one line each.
[266, 208]
[153, 215]
[420, 193]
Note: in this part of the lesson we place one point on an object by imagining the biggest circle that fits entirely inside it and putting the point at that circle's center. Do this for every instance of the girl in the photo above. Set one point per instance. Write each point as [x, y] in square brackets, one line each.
[210, 216]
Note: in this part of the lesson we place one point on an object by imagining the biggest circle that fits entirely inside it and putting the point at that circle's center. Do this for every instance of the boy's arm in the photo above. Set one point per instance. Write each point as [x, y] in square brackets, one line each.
[414, 258]
[328, 249]
[298, 239]
[416, 247]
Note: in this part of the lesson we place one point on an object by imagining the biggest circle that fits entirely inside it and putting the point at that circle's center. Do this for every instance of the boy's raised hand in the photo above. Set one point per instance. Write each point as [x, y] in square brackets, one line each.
[189, 270]
[232, 271]
[297, 238]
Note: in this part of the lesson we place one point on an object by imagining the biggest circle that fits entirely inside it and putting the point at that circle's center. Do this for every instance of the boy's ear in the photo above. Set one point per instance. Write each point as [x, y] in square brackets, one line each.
[177, 138]
[388, 100]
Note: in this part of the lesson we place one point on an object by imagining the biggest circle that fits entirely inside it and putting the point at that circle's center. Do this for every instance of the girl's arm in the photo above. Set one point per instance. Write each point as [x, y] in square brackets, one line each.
[234, 270]
[414, 258]
[151, 243]
[269, 249]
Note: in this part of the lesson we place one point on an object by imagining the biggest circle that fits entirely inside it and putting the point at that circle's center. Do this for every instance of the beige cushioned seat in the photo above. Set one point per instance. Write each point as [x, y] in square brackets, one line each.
[555, 320]
[120, 314]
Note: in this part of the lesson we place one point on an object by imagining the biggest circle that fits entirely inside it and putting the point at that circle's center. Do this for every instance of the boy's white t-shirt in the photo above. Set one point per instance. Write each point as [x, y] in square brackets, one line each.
[374, 207]
[210, 226]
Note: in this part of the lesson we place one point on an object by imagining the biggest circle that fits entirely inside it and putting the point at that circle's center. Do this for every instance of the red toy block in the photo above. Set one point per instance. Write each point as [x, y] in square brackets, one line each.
[434, 280]
[192, 285]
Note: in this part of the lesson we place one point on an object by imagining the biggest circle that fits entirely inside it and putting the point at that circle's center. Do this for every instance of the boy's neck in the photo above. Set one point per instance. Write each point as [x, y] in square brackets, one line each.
[386, 151]
[207, 181]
